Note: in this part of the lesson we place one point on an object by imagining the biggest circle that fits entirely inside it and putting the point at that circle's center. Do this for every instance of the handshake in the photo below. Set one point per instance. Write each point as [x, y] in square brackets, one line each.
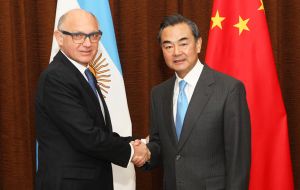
[141, 153]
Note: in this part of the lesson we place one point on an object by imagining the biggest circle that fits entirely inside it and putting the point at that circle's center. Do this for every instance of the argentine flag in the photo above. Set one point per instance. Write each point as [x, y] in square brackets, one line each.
[107, 70]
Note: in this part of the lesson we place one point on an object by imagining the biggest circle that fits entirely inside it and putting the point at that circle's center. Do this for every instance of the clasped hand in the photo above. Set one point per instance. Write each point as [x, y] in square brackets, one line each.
[141, 153]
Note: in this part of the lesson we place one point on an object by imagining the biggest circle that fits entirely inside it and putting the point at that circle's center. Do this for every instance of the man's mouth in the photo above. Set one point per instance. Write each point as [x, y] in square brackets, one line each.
[85, 52]
[177, 61]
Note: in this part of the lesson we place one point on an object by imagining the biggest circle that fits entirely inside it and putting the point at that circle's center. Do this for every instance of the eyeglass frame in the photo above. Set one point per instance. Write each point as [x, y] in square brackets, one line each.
[85, 35]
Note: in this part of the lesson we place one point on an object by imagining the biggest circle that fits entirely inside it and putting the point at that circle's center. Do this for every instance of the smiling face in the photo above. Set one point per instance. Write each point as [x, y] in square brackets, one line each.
[180, 48]
[78, 21]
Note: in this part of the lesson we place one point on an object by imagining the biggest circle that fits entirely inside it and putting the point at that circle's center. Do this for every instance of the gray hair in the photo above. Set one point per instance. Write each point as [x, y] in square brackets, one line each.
[177, 19]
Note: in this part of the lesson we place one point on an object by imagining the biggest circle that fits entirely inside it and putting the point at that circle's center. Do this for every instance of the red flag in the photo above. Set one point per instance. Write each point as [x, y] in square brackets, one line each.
[239, 45]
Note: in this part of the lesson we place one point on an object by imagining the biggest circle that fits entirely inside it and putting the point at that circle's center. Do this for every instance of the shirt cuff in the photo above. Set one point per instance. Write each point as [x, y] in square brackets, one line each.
[131, 154]
[144, 141]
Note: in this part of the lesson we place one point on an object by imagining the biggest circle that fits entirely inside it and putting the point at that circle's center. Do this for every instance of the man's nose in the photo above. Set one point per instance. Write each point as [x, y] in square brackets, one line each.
[87, 42]
[177, 50]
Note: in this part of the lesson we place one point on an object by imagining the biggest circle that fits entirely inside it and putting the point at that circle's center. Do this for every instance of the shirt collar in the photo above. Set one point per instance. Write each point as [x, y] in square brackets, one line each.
[79, 66]
[192, 77]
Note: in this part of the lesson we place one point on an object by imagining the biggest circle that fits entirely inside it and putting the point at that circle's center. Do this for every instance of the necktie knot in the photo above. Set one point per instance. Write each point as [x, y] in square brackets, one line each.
[91, 81]
[88, 74]
[182, 85]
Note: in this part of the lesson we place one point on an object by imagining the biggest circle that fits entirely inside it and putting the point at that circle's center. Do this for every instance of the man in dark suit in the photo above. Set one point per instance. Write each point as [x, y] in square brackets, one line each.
[74, 132]
[200, 120]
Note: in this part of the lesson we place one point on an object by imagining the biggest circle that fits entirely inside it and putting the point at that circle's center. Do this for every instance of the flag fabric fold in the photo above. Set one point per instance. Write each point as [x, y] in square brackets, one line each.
[107, 69]
[239, 45]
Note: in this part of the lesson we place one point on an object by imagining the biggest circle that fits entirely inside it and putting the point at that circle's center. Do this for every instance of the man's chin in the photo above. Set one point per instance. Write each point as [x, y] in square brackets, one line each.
[179, 68]
[85, 61]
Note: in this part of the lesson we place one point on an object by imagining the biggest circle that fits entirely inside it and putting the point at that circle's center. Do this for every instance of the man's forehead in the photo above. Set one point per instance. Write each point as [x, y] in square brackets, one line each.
[176, 32]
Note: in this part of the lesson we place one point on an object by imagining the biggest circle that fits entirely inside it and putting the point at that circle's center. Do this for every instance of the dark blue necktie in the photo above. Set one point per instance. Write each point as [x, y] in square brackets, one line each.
[182, 104]
[92, 84]
[91, 81]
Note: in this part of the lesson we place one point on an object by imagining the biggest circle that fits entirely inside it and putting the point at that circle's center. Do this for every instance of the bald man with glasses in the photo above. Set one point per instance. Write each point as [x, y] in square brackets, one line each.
[73, 127]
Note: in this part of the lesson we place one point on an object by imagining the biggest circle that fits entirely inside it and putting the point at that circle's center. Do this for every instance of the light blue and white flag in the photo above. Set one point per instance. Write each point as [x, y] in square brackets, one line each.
[107, 70]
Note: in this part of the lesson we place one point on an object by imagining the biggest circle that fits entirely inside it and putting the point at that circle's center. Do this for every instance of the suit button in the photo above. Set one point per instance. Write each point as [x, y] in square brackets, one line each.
[178, 157]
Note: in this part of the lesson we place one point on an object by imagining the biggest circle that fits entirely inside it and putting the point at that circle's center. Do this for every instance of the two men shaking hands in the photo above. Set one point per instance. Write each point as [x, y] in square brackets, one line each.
[141, 152]
[200, 119]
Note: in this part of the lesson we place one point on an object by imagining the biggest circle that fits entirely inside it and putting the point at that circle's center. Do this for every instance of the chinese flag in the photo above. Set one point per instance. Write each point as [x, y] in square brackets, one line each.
[239, 45]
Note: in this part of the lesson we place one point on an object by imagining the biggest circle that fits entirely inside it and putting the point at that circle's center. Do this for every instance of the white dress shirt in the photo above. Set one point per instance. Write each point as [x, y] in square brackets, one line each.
[191, 79]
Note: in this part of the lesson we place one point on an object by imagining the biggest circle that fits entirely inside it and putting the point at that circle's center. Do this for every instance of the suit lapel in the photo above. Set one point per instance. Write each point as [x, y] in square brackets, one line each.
[168, 110]
[89, 90]
[83, 82]
[200, 97]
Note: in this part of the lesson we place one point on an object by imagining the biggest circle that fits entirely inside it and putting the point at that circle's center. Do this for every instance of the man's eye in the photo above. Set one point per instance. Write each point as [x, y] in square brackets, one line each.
[96, 35]
[168, 47]
[183, 44]
[78, 36]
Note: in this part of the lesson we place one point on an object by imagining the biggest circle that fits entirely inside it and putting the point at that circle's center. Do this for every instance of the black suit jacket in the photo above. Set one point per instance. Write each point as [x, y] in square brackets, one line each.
[76, 145]
[213, 151]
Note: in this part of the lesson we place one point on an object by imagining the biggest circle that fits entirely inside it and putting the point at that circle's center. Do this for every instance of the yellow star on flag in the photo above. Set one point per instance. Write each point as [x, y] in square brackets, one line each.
[217, 20]
[261, 8]
[242, 25]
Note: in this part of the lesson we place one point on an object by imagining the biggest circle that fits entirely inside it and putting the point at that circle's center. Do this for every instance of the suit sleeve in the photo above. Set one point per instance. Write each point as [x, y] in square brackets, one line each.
[65, 107]
[237, 137]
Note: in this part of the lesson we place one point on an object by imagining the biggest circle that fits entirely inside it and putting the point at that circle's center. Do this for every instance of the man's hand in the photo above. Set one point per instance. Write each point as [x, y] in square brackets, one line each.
[141, 153]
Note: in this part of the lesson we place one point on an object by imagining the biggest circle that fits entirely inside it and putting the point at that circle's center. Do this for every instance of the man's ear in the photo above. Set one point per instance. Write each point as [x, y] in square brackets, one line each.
[59, 37]
[199, 44]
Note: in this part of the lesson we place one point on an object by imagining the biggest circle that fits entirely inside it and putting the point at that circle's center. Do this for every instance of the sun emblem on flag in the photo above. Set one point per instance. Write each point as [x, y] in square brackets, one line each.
[100, 68]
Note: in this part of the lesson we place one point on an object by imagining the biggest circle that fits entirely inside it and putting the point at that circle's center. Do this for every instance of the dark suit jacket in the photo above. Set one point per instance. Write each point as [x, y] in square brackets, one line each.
[213, 151]
[76, 145]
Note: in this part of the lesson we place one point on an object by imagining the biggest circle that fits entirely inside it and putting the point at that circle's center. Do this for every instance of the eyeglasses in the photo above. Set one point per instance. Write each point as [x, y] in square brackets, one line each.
[79, 37]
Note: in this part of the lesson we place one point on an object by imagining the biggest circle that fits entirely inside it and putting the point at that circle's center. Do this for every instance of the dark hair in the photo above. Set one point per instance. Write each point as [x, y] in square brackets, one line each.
[177, 19]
